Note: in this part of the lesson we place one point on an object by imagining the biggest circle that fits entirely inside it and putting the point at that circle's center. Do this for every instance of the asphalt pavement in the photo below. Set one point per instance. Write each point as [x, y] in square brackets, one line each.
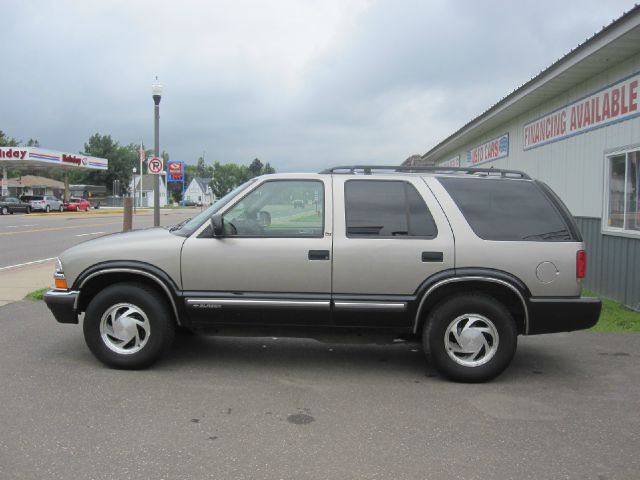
[228, 408]
[29, 238]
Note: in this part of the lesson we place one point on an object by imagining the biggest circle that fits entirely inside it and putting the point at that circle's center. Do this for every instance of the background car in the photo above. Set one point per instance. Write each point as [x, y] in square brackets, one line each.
[8, 205]
[46, 203]
[76, 204]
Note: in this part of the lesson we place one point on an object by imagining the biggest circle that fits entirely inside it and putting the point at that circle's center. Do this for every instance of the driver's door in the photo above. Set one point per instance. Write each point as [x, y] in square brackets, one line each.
[272, 264]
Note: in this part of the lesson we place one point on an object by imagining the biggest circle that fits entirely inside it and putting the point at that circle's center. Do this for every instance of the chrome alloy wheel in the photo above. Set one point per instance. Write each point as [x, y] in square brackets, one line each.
[471, 340]
[124, 328]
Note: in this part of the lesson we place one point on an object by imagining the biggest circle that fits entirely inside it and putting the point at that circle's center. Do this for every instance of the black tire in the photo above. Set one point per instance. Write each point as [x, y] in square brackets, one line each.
[485, 313]
[159, 333]
[5, 211]
[28, 210]
[46, 209]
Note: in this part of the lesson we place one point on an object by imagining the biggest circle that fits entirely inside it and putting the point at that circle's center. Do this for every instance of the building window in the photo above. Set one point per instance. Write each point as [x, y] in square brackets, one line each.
[622, 212]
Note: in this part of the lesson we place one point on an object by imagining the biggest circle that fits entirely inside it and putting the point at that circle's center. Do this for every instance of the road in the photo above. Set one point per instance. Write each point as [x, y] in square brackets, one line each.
[28, 238]
[228, 408]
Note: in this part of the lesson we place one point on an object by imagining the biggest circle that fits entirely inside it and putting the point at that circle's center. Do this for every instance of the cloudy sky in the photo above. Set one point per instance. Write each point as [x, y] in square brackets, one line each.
[302, 84]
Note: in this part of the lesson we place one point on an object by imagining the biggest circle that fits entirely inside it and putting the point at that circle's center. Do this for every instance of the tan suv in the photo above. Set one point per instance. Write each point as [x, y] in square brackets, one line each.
[464, 260]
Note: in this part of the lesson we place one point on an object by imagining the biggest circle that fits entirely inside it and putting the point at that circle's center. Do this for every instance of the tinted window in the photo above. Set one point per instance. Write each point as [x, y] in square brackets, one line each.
[507, 210]
[386, 209]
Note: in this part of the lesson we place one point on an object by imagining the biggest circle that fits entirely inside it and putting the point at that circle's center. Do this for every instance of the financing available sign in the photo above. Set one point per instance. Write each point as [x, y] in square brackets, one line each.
[492, 150]
[611, 104]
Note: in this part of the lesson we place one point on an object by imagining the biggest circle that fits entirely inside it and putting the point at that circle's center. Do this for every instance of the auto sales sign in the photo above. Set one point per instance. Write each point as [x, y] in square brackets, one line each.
[492, 150]
[611, 104]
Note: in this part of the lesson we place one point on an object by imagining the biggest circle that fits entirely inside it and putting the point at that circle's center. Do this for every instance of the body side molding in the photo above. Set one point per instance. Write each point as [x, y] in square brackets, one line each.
[258, 303]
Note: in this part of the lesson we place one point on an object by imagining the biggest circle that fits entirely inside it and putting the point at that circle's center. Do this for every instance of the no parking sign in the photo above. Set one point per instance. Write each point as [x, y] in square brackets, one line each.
[155, 165]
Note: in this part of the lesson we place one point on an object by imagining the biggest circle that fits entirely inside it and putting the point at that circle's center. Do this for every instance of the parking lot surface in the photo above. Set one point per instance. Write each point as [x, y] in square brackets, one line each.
[228, 408]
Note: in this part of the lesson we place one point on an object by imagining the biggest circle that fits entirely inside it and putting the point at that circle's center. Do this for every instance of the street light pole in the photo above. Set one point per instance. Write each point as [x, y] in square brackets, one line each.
[156, 93]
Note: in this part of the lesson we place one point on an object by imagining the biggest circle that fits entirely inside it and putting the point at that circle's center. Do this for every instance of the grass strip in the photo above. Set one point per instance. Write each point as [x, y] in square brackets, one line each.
[36, 294]
[615, 317]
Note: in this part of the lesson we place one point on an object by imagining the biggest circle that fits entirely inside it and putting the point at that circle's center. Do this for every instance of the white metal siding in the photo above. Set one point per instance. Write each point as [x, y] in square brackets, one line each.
[573, 167]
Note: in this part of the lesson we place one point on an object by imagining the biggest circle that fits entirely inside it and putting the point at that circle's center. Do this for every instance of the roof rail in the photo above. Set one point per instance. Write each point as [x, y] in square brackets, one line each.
[369, 169]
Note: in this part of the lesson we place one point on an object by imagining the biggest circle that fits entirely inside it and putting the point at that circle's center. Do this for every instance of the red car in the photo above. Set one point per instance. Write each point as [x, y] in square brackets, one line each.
[77, 205]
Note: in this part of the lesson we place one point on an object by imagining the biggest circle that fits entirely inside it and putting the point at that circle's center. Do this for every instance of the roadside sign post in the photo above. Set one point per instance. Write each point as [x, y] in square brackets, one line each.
[155, 167]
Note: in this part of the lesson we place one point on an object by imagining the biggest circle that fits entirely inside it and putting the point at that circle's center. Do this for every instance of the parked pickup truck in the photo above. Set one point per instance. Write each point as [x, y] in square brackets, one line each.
[463, 260]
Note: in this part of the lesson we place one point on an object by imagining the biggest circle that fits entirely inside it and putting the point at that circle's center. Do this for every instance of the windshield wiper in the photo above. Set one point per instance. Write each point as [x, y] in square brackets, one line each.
[178, 226]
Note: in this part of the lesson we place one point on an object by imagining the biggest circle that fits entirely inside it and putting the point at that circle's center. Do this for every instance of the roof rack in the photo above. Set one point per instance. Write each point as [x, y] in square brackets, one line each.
[369, 169]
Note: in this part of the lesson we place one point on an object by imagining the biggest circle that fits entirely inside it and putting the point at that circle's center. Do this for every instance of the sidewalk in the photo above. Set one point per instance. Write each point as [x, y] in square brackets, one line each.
[16, 283]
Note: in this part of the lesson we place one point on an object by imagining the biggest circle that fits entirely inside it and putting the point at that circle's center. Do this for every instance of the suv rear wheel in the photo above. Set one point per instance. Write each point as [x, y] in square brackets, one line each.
[470, 337]
[128, 326]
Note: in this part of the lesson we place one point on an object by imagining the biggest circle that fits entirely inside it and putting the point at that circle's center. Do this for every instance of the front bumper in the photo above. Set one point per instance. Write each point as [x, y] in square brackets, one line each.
[550, 315]
[63, 305]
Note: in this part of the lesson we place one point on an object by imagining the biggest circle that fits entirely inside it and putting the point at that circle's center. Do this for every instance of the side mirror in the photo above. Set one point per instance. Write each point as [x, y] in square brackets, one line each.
[216, 225]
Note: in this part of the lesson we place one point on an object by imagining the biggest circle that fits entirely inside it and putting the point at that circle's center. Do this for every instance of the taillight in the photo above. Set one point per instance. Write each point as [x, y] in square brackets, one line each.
[581, 264]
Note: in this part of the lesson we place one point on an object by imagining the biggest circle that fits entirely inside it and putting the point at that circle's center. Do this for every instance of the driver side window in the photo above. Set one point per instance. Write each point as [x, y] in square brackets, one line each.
[279, 208]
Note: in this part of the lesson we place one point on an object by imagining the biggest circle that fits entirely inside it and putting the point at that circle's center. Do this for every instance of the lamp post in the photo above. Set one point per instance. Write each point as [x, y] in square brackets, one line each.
[156, 93]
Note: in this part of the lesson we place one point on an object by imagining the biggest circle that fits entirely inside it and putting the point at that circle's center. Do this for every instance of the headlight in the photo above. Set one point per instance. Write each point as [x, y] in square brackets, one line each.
[59, 266]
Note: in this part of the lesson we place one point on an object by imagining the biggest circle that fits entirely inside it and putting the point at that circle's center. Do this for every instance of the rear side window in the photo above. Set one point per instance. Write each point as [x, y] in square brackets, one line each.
[386, 209]
[507, 210]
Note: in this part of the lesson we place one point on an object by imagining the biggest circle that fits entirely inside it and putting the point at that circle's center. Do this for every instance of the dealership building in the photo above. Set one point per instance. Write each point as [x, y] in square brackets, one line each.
[575, 126]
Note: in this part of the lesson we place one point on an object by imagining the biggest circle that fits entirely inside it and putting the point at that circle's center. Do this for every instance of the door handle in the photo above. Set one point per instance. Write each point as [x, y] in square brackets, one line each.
[319, 255]
[432, 256]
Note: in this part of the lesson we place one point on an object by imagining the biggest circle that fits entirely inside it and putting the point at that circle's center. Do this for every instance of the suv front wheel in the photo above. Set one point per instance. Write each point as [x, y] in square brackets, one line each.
[128, 326]
[470, 337]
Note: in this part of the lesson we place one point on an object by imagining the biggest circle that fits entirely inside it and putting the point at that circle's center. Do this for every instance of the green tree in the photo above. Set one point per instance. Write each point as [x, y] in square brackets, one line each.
[201, 168]
[268, 169]
[228, 176]
[255, 168]
[121, 159]
[6, 141]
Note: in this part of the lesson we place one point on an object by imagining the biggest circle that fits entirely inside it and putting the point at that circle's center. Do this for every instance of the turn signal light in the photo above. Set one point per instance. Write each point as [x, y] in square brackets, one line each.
[581, 264]
[61, 283]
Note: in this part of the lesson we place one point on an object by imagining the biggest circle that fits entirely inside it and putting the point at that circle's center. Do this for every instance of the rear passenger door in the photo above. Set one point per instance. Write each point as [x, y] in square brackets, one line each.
[389, 236]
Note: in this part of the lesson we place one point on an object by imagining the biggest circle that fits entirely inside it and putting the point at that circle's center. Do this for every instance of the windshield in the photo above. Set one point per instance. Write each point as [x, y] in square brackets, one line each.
[193, 224]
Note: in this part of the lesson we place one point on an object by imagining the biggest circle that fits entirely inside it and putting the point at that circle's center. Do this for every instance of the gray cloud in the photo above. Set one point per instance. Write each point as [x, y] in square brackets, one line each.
[301, 84]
